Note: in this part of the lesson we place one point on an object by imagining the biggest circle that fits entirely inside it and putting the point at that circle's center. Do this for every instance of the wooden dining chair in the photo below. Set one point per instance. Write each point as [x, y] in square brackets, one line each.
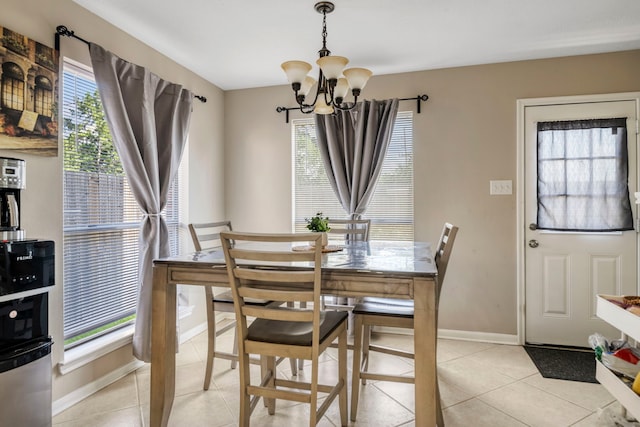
[347, 230]
[393, 313]
[207, 236]
[265, 266]
[350, 229]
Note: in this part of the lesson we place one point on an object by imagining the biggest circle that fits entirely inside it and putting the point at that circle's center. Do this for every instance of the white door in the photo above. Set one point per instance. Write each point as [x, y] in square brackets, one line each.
[565, 270]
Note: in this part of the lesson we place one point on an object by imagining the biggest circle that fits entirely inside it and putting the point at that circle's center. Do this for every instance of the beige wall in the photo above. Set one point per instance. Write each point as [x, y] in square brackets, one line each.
[465, 136]
[240, 146]
[42, 199]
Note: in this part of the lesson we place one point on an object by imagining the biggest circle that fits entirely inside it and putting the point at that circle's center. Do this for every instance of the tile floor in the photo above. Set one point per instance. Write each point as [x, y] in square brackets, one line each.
[481, 385]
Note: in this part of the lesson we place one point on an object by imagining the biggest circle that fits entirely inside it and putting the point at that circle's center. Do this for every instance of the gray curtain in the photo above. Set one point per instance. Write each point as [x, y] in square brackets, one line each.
[149, 120]
[353, 145]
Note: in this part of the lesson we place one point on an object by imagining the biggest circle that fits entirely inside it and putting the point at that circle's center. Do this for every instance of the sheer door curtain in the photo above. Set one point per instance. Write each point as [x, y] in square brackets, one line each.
[583, 176]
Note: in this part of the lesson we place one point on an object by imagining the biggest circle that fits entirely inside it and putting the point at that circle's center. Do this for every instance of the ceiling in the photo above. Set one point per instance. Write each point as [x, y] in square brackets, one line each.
[238, 44]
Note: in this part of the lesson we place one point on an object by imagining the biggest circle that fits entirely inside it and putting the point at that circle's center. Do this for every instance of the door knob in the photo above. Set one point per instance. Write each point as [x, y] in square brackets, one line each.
[533, 243]
[533, 226]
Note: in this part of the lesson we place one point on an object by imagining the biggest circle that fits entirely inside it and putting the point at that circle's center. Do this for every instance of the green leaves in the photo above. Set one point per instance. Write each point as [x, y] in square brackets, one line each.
[318, 223]
[88, 143]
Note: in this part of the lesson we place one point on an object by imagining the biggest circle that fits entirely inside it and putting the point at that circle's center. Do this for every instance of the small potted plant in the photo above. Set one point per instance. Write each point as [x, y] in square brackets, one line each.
[319, 224]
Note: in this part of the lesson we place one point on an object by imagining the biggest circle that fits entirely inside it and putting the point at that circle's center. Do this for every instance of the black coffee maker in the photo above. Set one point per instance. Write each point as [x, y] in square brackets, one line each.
[12, 180]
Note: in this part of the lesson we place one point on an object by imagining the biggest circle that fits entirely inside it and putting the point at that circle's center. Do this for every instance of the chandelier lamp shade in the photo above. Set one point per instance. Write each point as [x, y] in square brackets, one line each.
[333, 82]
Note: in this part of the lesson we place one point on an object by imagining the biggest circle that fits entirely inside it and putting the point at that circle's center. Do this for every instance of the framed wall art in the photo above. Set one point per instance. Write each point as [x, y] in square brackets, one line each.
[28, 95]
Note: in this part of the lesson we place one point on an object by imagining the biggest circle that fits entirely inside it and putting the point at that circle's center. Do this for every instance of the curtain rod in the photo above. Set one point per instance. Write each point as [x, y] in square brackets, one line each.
[61, 30]
[418, 99]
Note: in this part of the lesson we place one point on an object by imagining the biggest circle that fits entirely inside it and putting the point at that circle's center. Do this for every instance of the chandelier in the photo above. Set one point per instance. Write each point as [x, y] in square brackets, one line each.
[332, 86]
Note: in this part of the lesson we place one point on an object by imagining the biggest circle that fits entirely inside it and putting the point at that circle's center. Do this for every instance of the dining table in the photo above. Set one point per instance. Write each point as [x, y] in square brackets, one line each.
[392, 269]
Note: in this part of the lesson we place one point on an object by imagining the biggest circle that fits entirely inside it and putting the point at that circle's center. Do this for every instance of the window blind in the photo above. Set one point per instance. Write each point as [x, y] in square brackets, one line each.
[391, 208]
[101, 218]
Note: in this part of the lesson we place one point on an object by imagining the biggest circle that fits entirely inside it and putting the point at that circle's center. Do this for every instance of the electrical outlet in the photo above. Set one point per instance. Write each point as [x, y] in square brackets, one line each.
[503, 187]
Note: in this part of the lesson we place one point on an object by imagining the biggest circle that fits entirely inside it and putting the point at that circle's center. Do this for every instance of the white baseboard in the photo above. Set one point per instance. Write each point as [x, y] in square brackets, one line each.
[453, 334]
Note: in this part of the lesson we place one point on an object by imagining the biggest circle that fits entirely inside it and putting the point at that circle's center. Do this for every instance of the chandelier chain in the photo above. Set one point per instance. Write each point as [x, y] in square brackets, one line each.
[324, 30]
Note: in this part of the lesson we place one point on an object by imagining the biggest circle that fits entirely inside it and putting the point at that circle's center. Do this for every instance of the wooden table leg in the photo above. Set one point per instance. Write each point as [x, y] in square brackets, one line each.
[425, 334]
[163, 347]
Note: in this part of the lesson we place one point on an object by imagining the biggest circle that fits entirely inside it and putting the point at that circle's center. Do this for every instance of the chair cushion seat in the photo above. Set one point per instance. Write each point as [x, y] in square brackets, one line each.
[227, 298]
[294, 333]
[385, 307]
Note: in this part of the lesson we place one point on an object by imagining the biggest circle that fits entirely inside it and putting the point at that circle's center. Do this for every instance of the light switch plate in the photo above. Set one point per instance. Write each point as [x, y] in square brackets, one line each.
[500, 187]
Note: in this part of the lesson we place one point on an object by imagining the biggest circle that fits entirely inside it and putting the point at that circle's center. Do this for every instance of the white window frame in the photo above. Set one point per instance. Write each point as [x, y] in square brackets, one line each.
[382, 227]
[86, 352]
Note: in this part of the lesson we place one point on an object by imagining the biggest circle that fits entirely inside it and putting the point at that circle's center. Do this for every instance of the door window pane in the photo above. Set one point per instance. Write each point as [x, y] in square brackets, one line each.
[583, 176]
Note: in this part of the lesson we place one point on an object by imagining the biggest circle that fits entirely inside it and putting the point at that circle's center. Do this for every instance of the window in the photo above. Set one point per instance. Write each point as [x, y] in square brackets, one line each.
[583, 176]
[45, 56]
[43, 96]
[12, 86]
[101, 218]
[391, 208]
[15, 42]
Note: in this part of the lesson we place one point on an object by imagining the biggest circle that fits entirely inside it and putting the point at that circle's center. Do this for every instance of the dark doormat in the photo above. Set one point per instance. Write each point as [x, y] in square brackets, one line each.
[572, 364]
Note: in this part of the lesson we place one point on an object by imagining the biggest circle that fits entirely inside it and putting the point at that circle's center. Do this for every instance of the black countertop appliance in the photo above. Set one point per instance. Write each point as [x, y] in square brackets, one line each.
[26, 274]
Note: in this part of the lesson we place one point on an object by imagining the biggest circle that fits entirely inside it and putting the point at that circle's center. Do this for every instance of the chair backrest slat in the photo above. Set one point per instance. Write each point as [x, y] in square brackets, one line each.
[273, 256]
[282, 295]
[356, 229]
[207, 235]
[278, 314]
[265, 275]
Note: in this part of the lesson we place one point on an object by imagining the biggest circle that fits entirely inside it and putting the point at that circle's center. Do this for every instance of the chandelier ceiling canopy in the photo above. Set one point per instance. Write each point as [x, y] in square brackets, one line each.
[333, 82]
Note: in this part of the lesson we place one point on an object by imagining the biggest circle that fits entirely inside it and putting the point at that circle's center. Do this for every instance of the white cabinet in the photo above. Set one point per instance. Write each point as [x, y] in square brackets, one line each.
[629, 325]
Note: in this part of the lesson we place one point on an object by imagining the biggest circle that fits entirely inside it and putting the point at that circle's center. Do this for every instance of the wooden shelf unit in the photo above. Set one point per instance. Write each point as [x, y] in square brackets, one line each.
[629, 326]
